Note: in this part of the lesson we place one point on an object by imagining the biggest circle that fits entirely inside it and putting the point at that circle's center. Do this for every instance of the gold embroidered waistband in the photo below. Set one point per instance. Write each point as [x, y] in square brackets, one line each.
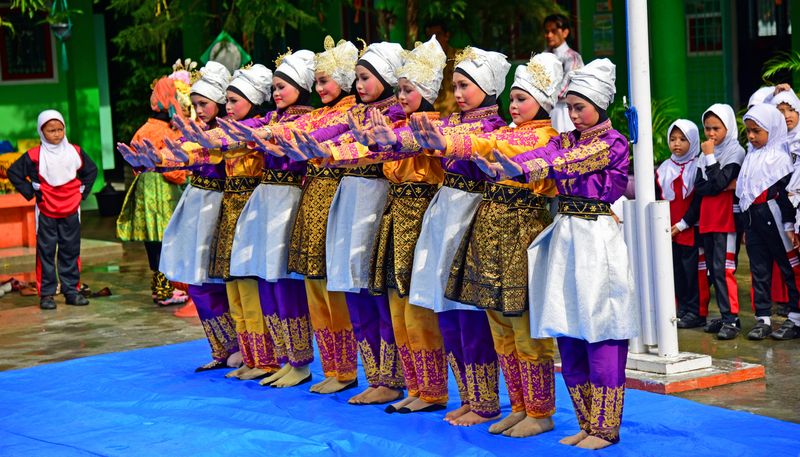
[314, 171]
[202, 182]
[270, 176]
[241, 184]
[515, 197]
[413, 190]
[585, 208]
[373, 171]
[460, 182]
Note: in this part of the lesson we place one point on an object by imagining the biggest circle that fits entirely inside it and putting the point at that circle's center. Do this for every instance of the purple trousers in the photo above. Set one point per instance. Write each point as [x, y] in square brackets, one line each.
[595, 377]
[372, 325]
[285, 308]
[211, 301]
[470, 352]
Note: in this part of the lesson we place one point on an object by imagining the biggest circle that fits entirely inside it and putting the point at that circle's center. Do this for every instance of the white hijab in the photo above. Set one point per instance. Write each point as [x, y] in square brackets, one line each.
[793, 136]
[766, 165]
[729, 151]
[58, 163]
[684, 166]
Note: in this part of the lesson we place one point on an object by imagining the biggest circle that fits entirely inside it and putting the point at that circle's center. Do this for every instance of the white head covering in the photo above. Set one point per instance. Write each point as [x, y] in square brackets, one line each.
[58, 163]
[768, 164]
[595, 81]
[214, 79]
[684, 166]
[424, 68]
[338, 61]
[762, 95]
[487, 68]
[254, 82]
[793, 136]
[540, 77]
[386, 58]
[299, 66]
[729, 151]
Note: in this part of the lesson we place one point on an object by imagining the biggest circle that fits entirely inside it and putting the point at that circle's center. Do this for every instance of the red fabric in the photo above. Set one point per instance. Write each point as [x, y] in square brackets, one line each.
[780, 294]
[730, 279]
[59, 201]
[716, 213]
[702, 284]
[677, 209]
[761, 198]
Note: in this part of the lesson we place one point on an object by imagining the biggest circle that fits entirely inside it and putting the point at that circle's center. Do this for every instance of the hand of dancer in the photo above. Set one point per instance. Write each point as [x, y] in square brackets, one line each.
[128, 154]
[155, 156]
[491, 169]
[143, 156]
[234, 130]
[359, 131]
[178, 154]
[290, 150]
[317, 149]
[433, 137]
[382, 132]
[511, 169]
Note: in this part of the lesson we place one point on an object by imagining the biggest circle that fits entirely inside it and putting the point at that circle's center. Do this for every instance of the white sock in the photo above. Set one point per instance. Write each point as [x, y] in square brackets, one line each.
[795, 317]
[765, 319]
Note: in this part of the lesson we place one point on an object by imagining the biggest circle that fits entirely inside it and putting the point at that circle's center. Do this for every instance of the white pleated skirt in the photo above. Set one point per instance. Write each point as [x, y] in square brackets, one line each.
[353, 223]
[263, 232]
[187, 239]
[443, 226]
[580, 283]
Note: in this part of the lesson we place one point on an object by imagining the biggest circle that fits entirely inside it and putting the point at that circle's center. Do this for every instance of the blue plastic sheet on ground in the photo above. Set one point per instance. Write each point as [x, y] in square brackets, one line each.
[149, 402]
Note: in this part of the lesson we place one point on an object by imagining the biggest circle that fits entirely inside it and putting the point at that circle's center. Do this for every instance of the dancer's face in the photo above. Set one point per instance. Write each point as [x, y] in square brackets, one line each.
[408, 96]
[367, 84]
[326, 87]
[206, 109]
[582, 114]
[53, 131]
[468, 94]
[523, 106]
[283, 93]
[237, 106]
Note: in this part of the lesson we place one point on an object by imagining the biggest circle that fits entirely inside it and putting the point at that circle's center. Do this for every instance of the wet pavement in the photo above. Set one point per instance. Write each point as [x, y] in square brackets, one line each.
[129, 320]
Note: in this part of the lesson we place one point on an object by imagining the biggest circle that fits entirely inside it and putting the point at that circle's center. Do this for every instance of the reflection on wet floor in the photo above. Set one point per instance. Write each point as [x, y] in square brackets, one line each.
[128, 319]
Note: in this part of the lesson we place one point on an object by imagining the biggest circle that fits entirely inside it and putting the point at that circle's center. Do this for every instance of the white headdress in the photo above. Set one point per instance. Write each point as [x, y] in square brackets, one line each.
[386, 58]
[487, 68]
[595, 81]
[338, 61]
[255, 83]
[214, 79]
[541, 78]
[299, 66]
[423, 67]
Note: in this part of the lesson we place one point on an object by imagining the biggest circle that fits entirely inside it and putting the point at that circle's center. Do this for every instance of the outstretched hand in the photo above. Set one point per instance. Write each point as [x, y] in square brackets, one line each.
[142, 155]
[234, 129]
[491, 169]
[361, 133]
[382, 132]
[178, 154]
[433, 137]
[129, 155]
[510, 168]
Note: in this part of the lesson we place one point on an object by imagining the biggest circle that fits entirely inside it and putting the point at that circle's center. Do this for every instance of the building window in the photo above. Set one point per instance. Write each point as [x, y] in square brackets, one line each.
[27, 54]
[704, 27]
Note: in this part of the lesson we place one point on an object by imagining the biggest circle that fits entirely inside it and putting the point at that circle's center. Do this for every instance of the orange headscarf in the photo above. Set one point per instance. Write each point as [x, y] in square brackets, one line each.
[165, 97]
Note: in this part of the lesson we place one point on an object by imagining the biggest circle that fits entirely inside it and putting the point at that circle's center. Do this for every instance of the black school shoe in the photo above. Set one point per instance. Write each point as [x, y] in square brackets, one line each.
[691, 320]
[729, 330]
[47, 302]
[77, 300]
[788, 331]
[760, 331]
[713, 326]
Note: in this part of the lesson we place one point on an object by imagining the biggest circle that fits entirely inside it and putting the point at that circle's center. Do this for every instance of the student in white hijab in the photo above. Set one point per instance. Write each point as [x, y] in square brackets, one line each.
[59, 175]
[718, 168]
[789, 105]
[769, 218]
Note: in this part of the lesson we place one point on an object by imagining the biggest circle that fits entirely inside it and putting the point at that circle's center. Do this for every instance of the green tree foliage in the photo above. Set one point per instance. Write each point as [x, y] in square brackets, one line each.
[26, 7]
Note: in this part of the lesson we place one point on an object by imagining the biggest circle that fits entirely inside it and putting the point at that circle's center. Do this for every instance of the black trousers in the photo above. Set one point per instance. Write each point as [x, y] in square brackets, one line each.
[684, 267]
[58, 237]
[720, 253]
[153, 249]
[765, 245]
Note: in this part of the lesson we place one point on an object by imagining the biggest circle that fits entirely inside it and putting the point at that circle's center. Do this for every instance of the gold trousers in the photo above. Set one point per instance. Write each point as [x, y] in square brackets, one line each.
[330, 319]
[255, 341]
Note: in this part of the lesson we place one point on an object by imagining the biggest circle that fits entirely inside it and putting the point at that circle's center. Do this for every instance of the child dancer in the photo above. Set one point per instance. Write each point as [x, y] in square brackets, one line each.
[675, 180]
[718, 168]
[769, 216]
[59, 175]
[580, 282]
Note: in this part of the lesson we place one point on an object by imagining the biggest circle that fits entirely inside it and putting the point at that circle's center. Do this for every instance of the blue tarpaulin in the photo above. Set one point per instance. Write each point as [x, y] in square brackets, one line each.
[149, 402]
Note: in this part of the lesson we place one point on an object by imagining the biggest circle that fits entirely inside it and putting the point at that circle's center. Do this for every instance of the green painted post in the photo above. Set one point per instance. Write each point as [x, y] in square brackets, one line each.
[668, 52]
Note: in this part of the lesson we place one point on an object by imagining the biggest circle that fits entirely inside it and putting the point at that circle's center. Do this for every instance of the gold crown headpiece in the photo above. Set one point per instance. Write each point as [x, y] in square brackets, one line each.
[279, 59]
[465, 54]
[539, 74]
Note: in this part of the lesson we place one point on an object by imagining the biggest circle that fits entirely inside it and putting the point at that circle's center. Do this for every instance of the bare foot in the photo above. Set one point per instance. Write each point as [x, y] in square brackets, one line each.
[316, 387]
[277, 375]
[471, 418]
[237, 372]
[507, 422]
[381, 395]
[594, 443]
[456, 413]
[530, 426]
[337, 386]
[255, 373]
[400, 404]
[572, 440]
[235, 360]
[359, 398]
[295, 376]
